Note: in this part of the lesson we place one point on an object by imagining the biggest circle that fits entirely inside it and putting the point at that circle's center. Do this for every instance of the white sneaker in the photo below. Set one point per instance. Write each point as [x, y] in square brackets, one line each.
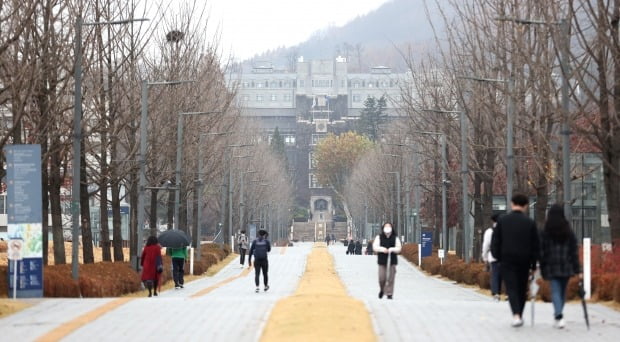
[517, 322]
[496, 298]
[559, 323]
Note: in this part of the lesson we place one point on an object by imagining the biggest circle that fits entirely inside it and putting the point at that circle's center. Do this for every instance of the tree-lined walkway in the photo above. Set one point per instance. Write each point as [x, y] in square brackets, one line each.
[316, 293]
[219, 308]
[426, 308]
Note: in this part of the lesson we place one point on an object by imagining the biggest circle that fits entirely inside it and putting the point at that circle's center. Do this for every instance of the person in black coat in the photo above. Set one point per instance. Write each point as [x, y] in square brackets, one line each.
[358, 247]
[515, 244]
[558, 258]
[351, 247]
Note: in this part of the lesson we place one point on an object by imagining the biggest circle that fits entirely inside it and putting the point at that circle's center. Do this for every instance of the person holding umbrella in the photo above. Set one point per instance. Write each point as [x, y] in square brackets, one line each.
[176, 242]
[558, 258]
[387, 245]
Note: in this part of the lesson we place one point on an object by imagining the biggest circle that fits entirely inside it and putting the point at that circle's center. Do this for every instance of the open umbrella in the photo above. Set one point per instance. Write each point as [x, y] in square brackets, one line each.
[582, 295]
[173, 238]
[533, 291]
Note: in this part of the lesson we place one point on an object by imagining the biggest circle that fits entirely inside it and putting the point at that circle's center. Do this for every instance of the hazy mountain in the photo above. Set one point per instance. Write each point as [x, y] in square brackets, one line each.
[369, 40]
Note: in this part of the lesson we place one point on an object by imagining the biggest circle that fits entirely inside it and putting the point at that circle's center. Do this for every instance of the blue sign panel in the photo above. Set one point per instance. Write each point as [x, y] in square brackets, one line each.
[24, 209]
[427, 244]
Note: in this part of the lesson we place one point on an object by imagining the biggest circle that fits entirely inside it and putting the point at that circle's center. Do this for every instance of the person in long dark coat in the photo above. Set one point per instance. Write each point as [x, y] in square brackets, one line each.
[150, 261]
[358, 247]
[515, 244]
[558, 258]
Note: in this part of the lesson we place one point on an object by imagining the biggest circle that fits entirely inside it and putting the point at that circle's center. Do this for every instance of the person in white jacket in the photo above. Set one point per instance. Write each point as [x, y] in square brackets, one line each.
[387, 245]
[491, 262]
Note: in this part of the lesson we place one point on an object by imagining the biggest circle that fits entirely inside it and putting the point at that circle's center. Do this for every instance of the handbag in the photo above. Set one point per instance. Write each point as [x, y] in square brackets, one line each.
[159, 265]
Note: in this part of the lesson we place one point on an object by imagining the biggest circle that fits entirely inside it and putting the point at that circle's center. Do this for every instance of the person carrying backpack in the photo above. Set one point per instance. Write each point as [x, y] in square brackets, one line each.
[242, 241]
[259, 249]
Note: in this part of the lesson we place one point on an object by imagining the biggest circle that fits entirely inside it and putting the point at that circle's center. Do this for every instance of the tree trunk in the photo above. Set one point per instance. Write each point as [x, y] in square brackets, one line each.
[171, 209]
[133, 207]
[54, 191]
[611, 181]
[479, 218]
[87, 239]
[104, 228]
[45, 199]
[117, 235]
[153, 213]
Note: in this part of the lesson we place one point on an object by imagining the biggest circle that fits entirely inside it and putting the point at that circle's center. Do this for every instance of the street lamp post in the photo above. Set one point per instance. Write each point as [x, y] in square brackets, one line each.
[179, 160]
[241, 197]
[230, 195]
[142, 161]
[564, 26]
[77, 135]
[398, 211]
[464, 181]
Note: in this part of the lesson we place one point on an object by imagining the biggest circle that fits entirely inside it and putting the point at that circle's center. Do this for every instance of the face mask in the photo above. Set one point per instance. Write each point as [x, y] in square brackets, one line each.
[387, 230]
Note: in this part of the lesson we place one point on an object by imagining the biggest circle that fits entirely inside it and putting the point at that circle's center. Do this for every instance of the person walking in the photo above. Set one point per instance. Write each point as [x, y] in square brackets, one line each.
[259, 249]
[351, 247]
[151, 265]
[358, 247]
[387, 245]
[558, 258]
[515, 244]
[242, 241]
[178, 256]
[491, 262]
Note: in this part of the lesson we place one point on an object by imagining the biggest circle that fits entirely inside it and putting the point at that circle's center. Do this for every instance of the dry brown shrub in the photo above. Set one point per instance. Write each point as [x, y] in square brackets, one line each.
[3, 246]
[603, 285]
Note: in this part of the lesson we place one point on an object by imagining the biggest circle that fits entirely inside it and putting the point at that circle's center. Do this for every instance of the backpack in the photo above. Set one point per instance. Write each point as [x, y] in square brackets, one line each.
[260, 249]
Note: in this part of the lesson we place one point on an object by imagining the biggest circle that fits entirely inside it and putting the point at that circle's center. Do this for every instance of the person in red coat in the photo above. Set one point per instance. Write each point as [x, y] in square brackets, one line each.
[151, 264]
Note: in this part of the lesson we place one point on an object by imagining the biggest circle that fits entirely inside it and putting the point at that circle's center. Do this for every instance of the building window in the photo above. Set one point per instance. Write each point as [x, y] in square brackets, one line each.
[311, 161]
[259, 85]
[266, 84]
[370, 85]
[384, 84]
[302, 83]
[274, 98]
[246, 84]
[286, 98]
[245, 98]
[357, 98]
[316, 138]
[313, 182]
[259, 98]
[321, 83]
[280, 84]
[356, 84]
[289, 139]
[342, 84]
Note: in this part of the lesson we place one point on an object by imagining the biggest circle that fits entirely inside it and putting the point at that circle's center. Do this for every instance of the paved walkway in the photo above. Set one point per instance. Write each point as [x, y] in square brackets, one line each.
[232, 312]
[225, 308]
[429, 309]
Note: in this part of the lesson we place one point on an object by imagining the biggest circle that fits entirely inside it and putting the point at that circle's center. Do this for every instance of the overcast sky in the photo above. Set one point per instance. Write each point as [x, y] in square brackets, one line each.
[253, 26]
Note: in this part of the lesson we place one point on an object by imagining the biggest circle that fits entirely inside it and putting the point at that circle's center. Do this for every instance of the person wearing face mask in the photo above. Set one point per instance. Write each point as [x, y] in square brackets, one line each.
[387, 245]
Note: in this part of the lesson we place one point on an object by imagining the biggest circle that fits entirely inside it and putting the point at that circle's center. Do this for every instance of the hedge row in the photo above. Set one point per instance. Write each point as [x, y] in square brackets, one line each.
[109, 279]
[605, 286]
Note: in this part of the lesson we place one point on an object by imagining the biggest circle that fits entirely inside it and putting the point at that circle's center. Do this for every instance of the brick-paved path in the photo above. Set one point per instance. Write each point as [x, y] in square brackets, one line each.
[429, 309]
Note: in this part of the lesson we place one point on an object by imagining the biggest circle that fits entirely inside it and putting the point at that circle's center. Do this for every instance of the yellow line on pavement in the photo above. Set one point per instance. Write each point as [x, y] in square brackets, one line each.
[67, 328]
[203, 292]
[320, 309]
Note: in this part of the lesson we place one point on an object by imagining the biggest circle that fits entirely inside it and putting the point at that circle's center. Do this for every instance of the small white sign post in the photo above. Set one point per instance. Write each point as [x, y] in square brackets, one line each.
[587, 267]
[15, 254]
[441, 255]
[420, 255]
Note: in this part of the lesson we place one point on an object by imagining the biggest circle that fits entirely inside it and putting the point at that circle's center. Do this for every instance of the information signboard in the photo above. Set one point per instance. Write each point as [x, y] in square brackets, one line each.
[427, 244]
[24, 209]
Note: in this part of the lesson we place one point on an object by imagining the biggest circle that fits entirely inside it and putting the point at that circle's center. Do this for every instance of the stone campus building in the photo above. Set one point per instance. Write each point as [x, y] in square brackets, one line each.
[306, 104]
